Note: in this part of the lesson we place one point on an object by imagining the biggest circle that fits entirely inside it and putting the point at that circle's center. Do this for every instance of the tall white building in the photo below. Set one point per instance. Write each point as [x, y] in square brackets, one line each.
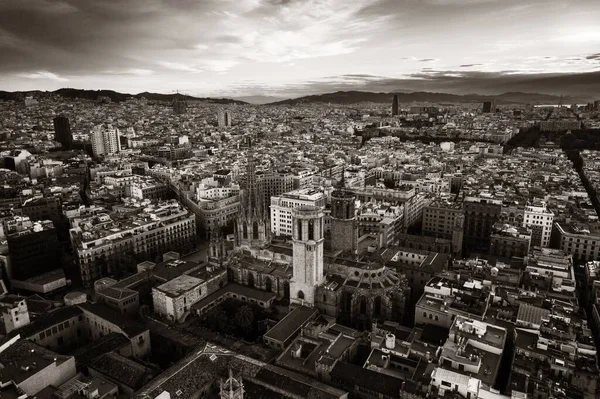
[105, 140]
[282, 206]
[538, 218]
[224, 118]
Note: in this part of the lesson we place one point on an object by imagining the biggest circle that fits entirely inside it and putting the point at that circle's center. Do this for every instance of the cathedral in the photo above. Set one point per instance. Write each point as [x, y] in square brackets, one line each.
[353, 286]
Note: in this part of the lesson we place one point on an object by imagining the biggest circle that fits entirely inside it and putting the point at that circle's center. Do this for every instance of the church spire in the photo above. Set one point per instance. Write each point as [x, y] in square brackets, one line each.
[252, 200]
[253, 219]
[341, 184]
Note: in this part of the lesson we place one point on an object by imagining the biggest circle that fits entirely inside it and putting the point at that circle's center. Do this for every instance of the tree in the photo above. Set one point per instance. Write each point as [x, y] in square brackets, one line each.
[244, 317]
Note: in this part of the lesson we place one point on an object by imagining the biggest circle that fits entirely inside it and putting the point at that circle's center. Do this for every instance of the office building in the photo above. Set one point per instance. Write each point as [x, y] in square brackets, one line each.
[395, 105]
[62, 132]
[105, 140]
[489, 107]
[282, 206]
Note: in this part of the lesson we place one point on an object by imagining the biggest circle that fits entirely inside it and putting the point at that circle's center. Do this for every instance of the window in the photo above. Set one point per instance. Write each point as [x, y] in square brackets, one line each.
[446, 384]
[60, 341]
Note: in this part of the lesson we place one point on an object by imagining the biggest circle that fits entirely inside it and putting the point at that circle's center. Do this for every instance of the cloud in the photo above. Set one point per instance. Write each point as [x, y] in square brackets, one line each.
[580, 85]
[593, 57]
[284, 42]
[42, 75]
[294, 30]
[130, 71]
[176, 66]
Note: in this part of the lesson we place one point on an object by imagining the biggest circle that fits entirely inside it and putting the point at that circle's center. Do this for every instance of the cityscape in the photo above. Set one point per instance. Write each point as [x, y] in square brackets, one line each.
[431, 234]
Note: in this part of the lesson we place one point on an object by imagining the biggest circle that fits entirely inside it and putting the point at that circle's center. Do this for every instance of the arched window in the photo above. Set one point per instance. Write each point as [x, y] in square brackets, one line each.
[245, 231]
[300, 229]
[268, 284]
[255, 230]
[250, 280]
[300, 295]
[377, 307]
[363, 305]
[311, 229]
[286, 290]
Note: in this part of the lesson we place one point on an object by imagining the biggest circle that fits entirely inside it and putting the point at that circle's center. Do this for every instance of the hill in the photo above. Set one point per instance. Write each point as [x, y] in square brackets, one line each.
[113, 95]
[354, 97]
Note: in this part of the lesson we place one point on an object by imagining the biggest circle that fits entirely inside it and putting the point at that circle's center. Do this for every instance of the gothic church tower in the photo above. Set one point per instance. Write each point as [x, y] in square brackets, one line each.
[252, 225]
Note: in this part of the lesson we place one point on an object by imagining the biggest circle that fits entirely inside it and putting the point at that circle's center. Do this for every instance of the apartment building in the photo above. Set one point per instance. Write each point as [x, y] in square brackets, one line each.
[101, 240]
[538, 218]
[282, 206]
[441, 217]
[582, 241]
[510, 241]
[105, 140]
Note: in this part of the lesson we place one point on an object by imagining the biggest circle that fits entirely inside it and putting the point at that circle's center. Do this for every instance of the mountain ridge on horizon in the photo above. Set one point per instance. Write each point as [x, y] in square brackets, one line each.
[355, 97]
[114, 95]
[337, 97]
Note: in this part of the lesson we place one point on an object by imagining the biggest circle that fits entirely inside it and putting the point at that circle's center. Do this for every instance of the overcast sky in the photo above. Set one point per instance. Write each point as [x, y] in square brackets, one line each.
[294, 47]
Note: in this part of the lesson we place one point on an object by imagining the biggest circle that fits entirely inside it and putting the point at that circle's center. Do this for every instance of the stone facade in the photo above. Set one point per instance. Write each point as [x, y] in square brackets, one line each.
[343, 221]
[307, 254]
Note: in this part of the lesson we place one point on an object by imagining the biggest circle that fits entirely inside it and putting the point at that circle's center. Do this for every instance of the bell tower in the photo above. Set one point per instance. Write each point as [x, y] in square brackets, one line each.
[307, 238]
[344, 234]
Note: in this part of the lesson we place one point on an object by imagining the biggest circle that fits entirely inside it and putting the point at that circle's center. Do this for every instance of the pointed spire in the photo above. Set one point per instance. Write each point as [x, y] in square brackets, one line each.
[341, 184]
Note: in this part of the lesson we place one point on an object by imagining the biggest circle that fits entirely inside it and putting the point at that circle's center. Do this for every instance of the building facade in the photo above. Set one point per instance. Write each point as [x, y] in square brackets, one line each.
[282, 207]
[105, 140]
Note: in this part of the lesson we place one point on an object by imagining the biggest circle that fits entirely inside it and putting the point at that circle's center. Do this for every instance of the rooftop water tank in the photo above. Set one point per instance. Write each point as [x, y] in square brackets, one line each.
[390, 341]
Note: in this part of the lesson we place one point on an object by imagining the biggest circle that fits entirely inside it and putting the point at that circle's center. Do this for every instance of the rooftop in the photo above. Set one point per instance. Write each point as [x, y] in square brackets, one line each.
[290, 324]
[179, 285]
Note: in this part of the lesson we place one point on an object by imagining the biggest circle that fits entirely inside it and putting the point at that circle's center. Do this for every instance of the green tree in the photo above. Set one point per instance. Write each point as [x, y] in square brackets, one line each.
[244, 317]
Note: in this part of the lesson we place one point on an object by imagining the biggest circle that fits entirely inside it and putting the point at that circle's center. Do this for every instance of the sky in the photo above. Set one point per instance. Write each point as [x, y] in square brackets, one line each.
[290, 48]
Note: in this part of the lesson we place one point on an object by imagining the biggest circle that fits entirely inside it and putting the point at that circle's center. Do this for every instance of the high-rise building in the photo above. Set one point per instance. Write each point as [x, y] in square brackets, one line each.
[489, 106]
[62, 132]
[221, 118]
[395, 105]
[105, 140]
[224, 118]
